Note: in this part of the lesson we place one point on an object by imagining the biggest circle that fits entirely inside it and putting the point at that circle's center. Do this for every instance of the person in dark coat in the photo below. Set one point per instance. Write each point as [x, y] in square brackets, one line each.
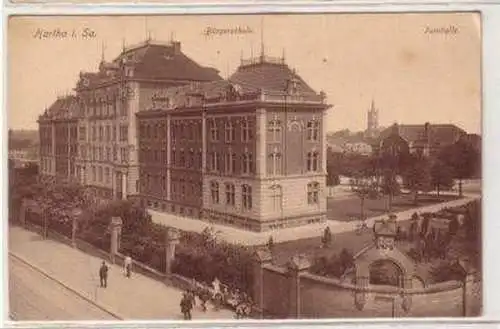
[103, 274]
[186, 306]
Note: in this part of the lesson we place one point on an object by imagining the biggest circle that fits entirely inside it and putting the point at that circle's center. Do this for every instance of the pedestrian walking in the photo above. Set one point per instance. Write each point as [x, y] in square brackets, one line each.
[127, 264]
[103, 274]
[186, 306]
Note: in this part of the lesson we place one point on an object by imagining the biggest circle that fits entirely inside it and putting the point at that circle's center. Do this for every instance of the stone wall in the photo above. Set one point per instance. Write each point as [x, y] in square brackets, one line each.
[289, 293]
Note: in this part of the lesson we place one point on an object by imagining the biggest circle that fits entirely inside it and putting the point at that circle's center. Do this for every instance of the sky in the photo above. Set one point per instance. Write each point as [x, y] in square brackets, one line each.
[417, 68]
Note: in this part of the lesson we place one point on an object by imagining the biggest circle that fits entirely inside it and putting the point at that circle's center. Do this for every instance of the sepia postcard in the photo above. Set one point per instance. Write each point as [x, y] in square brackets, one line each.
[288, 166]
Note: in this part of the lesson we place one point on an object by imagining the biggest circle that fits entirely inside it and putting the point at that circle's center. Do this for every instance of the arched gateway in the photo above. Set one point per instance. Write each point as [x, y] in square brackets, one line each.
[383, 256]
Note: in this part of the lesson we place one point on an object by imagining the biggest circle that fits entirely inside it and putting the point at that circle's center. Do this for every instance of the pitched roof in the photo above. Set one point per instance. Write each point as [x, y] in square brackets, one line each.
[270, 76]
[438, 134]
[158, 61]
[152, 60]
[63, 108]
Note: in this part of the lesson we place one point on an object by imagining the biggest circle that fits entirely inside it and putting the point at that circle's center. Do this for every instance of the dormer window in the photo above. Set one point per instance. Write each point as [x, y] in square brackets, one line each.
[292, 86]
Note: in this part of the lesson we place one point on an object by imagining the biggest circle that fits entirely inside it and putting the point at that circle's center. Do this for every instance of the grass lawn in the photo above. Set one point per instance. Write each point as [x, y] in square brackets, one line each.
[310, 247]
[348, 208]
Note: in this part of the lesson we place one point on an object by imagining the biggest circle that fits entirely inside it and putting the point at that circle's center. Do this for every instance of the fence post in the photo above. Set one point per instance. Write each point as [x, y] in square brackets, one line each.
[261, 257]
[172, 238]
[115, 226]
[467, 294]
[296, 266]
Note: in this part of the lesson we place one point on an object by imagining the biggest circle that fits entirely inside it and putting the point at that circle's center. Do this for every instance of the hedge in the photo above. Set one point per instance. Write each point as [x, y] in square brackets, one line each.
[197, 256]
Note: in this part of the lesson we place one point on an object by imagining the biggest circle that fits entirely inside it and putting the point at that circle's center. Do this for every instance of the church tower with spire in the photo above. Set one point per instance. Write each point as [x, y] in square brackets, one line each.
[372, 127]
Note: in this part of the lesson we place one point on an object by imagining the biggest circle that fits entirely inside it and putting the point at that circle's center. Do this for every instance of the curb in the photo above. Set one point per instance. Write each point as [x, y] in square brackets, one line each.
[45, 274]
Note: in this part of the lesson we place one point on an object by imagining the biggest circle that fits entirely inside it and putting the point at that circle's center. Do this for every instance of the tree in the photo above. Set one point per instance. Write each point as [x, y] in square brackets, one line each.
[417, 176]
[393, 158]
[363, 184]
[332, 176]
[390, 187]
[441, 176]
[463, 158]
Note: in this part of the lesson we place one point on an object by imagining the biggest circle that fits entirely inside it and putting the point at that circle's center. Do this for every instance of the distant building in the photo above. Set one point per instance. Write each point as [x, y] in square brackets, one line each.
[154, 126]
[427, 139]
[372, 128]
[475, 140]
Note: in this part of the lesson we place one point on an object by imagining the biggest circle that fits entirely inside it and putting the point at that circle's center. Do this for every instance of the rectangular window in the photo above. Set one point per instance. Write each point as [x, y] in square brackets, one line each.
[123, 133]
[247, 163]
[313, 193]
[214, 132]
[275, 163]
[313, 130]
[83, 134]
[182, 159]
[107, 175]
[123, 109]
[215, 161]
[312, 161]
[230, 194]
[124, 154]
[246, 194]
[229, 162]
[274, 131]
[214, 191]
[246, 131]
[229, 132]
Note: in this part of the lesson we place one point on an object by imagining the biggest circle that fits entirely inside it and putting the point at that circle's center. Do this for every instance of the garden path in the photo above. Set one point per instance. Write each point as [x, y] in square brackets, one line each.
[235, 235]
[135, 298]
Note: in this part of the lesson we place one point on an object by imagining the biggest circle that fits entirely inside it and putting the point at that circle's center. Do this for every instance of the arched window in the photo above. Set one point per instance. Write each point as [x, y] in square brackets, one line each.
[277, 197]
[313, 193]
[246, 196]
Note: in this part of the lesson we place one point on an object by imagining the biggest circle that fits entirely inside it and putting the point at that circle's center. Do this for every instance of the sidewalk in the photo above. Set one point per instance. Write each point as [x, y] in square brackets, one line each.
[235, 235]
[135, 298]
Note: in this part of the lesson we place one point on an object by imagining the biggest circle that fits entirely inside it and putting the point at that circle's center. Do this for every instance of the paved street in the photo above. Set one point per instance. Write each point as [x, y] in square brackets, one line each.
[34, 297]
[136, 298]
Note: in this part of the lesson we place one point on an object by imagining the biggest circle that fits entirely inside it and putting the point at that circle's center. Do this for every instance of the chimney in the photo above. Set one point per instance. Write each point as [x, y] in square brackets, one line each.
[177, 47]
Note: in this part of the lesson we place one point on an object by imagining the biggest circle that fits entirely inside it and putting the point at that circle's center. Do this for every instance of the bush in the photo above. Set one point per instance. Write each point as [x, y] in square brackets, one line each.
[446, 272]
[335, 266]
[231, 264]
